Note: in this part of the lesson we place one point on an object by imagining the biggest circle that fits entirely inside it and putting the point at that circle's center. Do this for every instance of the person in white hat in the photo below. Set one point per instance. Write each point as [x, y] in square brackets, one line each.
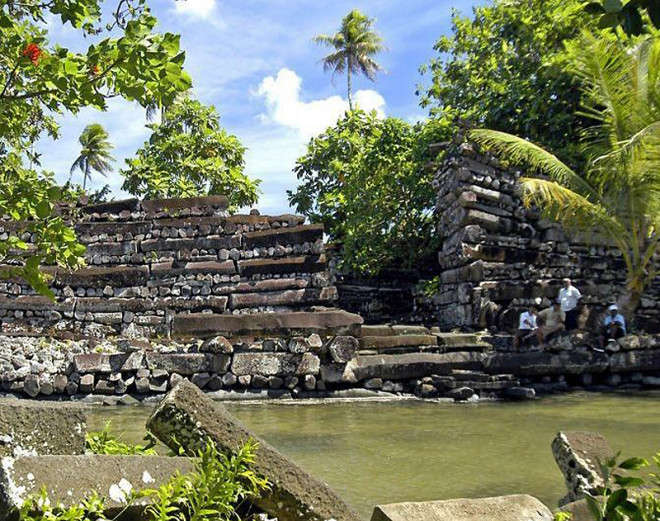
[614, 326]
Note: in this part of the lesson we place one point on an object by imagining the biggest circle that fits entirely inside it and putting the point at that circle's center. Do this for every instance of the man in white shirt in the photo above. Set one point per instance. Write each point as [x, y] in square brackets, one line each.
[569, 296]
[527, 327]
[614, 326]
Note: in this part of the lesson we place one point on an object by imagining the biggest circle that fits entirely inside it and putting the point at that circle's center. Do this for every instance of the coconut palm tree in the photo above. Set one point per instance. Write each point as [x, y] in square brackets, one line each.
[354, 47]
[617, 197]
[95, 154]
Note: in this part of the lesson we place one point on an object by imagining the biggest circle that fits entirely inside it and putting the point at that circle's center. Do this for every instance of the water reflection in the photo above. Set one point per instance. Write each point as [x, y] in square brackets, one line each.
[412, 451]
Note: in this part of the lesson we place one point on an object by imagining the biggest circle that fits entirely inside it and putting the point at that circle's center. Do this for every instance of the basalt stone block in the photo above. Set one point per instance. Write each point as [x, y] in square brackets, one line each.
[70, 479]
[181, 363]
[547, 364]
[117, 277]
[112, 207]
[113, 228]
[189, 418]
[385, 342]
[281, 298]
[631, 361]
[343, 349]
[502, 508]
[206, 243]
[41, 428]
[112, 248]
[412, 365]
[173, 268]
[35, 303]
[579, 455]
[264, 364]
[283, 236]
[304, 264]
[92, 363]
[173, 206]
[207, 325]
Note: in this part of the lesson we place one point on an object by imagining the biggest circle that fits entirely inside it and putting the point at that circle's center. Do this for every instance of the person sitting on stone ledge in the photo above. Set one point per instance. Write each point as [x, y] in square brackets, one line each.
[569, 296]
[527, 328]
[551, 321]
[614, 326]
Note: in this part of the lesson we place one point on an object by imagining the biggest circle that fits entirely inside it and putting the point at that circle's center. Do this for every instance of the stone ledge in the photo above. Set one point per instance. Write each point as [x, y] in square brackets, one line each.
[306, 264]
[202, 325]
[284, 236]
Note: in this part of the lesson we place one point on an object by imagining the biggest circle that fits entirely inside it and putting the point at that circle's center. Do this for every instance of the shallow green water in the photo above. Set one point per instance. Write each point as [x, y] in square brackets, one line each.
[375, 452]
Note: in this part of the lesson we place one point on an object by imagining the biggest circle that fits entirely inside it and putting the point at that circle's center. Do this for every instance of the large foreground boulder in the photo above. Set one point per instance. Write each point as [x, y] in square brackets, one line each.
[188, 418]
[579, 456]
[502, 508]
[70, 479]
[41, 428]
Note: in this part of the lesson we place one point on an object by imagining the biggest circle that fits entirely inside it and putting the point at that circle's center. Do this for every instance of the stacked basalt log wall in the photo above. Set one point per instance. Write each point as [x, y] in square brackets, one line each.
[150, 261]
[498, 256]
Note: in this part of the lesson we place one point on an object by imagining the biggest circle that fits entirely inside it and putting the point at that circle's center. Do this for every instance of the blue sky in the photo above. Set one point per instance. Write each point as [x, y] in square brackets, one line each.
[255, 62]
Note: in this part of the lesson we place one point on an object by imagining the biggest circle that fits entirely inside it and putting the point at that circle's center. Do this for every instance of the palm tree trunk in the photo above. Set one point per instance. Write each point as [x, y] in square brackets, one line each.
[85, 176]
[630, 301]
[350, 97]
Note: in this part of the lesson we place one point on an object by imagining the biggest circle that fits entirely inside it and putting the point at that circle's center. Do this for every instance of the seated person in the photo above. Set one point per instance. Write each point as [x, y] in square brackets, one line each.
[614, 326]
[551, 321]
[527, 327]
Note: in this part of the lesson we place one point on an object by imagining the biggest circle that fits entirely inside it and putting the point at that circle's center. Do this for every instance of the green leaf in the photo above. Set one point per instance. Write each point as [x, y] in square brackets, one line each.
[612, 6]
[628, 481]
[43, 209]
[617, 497]
[633, 464]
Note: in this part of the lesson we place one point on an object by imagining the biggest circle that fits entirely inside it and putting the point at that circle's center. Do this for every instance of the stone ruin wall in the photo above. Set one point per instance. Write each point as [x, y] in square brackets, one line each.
[497, 256]
[151, 261]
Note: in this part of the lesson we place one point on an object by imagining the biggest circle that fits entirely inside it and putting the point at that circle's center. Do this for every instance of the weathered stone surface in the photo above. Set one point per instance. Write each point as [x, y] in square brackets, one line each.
[69, 479]
[170, 206]
[307, 264]
[384, 342]
[502, 508]
[203, 325]
[180, 363]
[415, 365]
[284, 236]
[639, 360]
[579, 455]
[343, 349]
[130, 205]
[92, 363]
[217, 344]
[41, 428]
[190, 417]
[547, 364]
[265, 364]
[99, 277]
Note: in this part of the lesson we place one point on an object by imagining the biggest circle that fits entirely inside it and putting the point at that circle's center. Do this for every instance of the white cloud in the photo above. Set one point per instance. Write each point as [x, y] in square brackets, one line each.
[194, 8]
[282, 94]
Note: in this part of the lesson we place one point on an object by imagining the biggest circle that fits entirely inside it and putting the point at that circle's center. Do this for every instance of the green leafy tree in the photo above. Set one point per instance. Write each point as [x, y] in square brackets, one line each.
[506, 69]
[39, 79]
[629, 15]
[95, 153]
[366, 179]
[189, 154]
[354, 46]
[618, 195]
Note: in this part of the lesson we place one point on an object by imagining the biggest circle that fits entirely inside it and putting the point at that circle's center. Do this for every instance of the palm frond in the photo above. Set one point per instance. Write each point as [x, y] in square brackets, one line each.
[521, 152]
[572, 209]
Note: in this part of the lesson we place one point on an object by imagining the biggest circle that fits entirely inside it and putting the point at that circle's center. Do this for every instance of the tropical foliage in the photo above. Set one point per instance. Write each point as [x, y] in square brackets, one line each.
[213, 491]
[39, 79]
[628, 14]
[506, 69]
[366, 180]
[354, 46]
[105, 442]
[95, 153]
[618, 193]
[188, 155]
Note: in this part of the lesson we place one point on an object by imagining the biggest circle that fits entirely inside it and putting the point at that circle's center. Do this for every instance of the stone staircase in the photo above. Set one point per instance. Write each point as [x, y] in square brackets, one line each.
[431, 363]
[401, 339]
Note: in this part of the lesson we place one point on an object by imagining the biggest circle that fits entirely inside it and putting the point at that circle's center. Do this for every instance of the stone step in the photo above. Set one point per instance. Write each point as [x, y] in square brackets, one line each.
[412, 365]
[385, 342]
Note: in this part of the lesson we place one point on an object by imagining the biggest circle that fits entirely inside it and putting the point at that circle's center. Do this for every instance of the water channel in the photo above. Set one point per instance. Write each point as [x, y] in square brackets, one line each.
[385, 452]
